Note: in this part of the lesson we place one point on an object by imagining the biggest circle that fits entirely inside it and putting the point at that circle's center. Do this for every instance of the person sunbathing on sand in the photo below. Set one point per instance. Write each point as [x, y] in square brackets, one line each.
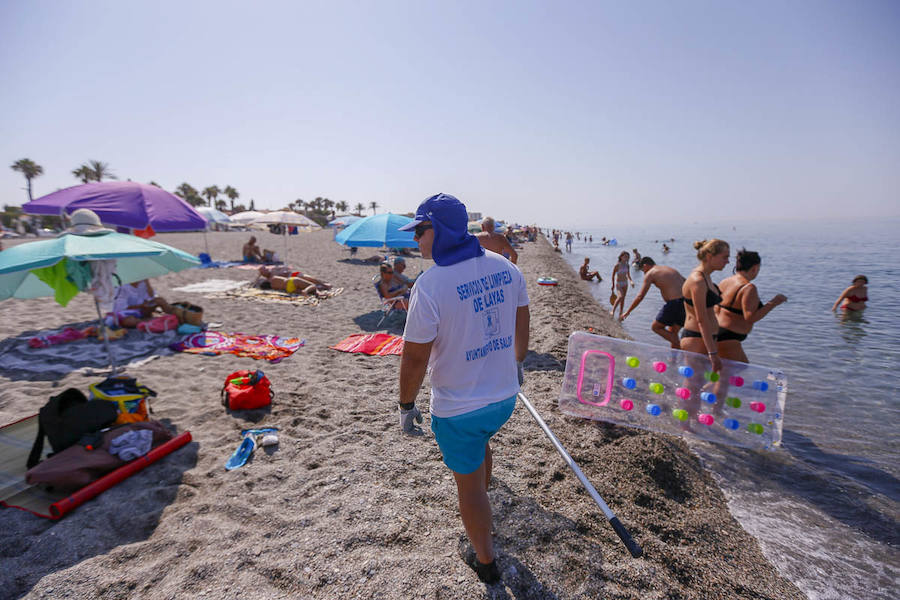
[586, 274]
[286, 271]
[290, 284]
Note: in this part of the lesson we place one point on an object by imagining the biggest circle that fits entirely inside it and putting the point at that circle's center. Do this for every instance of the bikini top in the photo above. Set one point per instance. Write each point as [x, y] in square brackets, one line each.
[730, 308]
[712, 298]
[857, 299]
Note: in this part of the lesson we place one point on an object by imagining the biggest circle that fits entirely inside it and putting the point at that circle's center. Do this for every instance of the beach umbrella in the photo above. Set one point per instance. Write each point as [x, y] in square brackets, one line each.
[287, 217]
[248, 216]
[343, 221]
[125, 204]
[131, 258]
[377, 231]
[213, 215]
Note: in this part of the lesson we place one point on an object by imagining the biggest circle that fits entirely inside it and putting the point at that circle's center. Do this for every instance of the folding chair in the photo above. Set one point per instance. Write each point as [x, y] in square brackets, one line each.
[389, 306]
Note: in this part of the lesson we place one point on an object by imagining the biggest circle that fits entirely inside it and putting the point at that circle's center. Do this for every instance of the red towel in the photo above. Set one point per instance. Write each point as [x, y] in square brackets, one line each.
[376, 344]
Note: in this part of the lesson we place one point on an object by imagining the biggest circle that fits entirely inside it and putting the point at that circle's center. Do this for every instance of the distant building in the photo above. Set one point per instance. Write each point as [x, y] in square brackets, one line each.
[475, 216]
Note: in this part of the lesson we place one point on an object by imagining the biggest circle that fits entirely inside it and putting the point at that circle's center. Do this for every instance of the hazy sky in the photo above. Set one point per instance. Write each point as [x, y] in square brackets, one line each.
[562, 113]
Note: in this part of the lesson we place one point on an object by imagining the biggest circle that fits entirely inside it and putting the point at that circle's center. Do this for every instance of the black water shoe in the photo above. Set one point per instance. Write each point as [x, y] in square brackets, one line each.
[488, 573]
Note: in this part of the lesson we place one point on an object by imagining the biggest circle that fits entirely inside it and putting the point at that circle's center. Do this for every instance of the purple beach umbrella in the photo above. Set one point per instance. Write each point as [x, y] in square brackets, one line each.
[123, 204]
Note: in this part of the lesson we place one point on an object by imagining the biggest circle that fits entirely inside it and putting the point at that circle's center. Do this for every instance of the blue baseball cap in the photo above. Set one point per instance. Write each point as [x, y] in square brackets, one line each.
[446, 209]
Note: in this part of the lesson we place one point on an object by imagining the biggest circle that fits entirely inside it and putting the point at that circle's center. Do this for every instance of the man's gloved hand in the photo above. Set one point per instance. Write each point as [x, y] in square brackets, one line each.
[520, 368]
[408, 420]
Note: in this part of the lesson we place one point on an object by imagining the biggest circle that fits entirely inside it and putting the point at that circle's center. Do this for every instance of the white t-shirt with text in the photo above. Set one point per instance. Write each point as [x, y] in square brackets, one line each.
[469, 310]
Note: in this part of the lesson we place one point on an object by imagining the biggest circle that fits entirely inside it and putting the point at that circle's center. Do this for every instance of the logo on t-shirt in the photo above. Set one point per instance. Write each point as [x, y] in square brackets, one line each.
[491, 322]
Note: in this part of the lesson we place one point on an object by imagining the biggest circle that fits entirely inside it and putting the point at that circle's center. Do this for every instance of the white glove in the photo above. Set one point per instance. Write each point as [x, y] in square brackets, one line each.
[408, 420]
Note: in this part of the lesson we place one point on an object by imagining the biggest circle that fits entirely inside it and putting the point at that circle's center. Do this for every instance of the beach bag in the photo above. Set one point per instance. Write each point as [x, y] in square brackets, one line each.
[188, 313]
[65, 418]
[128, 397]
[160, 324]
[247, 389]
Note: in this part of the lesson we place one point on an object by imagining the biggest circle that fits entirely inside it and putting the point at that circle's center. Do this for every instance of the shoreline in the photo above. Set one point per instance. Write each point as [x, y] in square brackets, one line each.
[348, 507]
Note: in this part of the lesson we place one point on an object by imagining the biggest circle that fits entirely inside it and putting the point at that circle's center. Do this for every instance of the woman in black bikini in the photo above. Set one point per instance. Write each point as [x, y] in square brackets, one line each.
[741, 307]
[700, 297]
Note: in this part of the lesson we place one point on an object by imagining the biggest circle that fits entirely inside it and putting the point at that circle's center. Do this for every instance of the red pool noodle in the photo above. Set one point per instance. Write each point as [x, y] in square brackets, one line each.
[59, 508]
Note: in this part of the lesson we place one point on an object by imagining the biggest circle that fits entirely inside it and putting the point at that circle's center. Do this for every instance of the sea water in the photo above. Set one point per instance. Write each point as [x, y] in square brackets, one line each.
[826, 506]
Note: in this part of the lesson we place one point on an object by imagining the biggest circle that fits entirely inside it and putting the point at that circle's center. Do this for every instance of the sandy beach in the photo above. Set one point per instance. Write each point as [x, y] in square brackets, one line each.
[346, 506]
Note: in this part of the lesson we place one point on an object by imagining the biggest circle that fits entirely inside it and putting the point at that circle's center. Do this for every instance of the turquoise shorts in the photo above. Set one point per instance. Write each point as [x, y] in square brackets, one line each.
[463, 438]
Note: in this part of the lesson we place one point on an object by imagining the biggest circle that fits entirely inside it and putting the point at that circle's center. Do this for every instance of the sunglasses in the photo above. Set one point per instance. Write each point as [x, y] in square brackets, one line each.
[421, 228]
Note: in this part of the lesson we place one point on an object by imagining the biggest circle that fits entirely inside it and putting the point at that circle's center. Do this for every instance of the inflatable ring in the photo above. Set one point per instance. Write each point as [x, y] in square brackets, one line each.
[547, 281]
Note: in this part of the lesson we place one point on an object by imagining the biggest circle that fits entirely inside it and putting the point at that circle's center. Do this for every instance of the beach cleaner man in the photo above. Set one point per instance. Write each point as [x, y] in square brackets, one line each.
[670, 318]
[468, 317]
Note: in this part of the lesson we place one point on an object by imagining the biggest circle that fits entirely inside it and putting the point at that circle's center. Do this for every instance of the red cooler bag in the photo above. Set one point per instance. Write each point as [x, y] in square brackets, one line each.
[246, 389]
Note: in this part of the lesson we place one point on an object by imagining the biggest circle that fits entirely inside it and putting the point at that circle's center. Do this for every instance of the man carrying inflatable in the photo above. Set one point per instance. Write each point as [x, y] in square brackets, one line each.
[468, 316]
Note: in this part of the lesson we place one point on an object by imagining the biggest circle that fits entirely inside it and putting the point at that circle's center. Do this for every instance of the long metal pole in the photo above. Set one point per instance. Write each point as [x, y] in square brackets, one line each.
[112, 360]
[623, 534]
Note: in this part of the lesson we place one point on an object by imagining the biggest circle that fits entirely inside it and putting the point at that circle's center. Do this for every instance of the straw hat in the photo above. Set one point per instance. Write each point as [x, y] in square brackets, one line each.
[85, 222]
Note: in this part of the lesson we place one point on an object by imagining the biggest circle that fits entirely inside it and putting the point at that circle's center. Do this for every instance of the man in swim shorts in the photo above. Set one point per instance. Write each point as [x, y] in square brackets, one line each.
[670, 318]
[495, 242]
[468, 317]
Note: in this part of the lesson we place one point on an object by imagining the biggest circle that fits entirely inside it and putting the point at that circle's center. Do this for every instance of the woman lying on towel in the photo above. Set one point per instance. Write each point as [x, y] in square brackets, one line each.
[293, 282]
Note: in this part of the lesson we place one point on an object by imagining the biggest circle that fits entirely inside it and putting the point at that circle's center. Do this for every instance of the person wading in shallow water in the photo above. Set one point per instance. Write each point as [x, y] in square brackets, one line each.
[469, 316]
[671, 316]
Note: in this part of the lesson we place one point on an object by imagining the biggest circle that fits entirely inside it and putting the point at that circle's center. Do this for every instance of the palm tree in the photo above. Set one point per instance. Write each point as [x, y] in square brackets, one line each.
[211, 193]
[189, 194]
[83, 173]
[221, 204]
[29, 169]
[374, 206]
[252, 207]
[341, 206]
[360, 207]
[232, 195]
[100, 170]
[154, 183]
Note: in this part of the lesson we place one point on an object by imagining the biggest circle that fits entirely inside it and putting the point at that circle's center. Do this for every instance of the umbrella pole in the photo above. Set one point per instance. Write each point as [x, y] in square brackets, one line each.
[112, 360]
[206, 242]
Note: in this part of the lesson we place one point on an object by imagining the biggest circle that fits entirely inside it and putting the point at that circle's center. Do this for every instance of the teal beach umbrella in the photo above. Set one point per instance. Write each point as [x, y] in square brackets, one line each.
[136, 259]
[377, 231]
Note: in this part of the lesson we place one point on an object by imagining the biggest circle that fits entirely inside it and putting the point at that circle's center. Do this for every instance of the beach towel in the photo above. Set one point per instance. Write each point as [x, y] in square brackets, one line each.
[272, 348]
[16, 493]
[210, 286]
[375, 344]
[251, 293]
[17, 359]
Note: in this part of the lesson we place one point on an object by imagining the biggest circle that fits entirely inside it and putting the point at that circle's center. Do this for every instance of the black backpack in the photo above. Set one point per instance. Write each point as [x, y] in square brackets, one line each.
[66, 418]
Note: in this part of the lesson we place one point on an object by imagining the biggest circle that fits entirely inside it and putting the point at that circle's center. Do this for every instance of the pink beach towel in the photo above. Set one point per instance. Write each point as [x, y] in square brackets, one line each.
[272, 348]
[375, 344]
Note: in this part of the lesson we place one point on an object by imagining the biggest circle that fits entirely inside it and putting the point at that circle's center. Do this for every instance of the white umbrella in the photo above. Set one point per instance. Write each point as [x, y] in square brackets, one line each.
[248, 216]
[287, 217]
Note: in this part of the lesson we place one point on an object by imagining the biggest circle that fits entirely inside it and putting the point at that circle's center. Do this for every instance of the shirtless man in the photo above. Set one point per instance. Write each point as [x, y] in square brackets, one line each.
[670, 318]
[495, 242]
[588, 275]
[252, 254]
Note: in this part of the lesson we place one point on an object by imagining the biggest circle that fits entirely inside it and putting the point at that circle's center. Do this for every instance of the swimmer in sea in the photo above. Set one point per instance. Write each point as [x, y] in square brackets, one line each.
[854, 298]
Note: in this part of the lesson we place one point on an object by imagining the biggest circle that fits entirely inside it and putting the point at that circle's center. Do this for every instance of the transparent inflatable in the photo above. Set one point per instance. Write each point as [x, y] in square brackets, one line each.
[672, 391]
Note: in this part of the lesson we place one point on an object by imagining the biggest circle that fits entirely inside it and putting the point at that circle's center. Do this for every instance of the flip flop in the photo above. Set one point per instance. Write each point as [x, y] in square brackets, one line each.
[243, 452]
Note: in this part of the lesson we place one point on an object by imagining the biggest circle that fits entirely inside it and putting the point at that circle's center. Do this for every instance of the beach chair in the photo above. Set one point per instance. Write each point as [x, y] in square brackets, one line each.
[389, 306]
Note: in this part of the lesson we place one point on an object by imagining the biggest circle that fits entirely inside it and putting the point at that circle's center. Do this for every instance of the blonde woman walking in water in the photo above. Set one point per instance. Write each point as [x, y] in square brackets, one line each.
[621, 277]
[700, 333]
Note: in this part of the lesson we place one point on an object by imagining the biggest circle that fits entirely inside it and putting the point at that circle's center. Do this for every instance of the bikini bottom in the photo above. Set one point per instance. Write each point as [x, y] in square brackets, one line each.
[690, 333]
[727, 334]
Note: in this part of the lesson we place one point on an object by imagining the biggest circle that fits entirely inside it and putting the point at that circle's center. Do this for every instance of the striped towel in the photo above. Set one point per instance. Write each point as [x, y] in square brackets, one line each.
[376, 344]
